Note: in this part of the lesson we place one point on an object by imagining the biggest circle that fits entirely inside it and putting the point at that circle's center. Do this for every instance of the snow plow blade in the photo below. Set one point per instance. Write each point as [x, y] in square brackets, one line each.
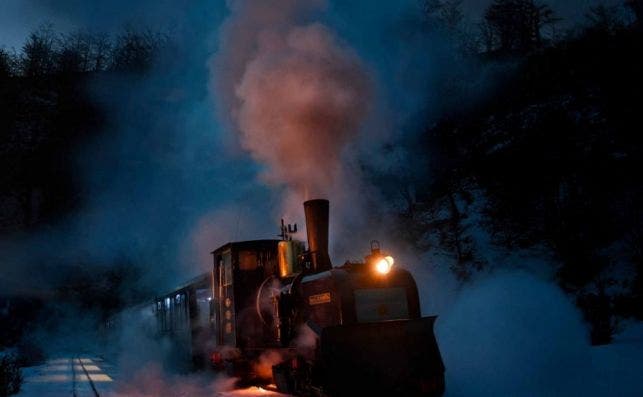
[392, 358]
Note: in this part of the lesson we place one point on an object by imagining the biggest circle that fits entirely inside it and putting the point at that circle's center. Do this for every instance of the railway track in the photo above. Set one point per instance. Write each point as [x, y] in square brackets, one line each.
[81, 378]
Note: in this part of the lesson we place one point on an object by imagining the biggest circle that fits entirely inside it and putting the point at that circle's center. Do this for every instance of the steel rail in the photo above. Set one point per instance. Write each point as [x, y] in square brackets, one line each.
[73, 378]
[91, 382]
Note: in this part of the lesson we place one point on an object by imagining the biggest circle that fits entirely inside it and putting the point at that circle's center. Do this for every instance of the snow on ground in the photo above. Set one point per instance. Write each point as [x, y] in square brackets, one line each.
[541, 366]
[617, 368]
[516, 334]
[78, 376]
[71, 375]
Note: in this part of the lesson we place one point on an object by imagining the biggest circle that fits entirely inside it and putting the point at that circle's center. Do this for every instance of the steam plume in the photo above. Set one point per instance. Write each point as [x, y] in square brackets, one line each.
[294, 94]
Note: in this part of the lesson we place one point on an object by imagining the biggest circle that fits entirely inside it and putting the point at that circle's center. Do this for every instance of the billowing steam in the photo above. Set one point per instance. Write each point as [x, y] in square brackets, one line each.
[292, 91]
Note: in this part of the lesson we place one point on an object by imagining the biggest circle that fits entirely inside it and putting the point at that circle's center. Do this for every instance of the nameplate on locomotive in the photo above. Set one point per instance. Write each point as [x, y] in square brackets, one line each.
[319, 299]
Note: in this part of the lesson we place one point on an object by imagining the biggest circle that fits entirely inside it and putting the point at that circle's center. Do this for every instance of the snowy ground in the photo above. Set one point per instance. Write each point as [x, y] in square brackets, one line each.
[614, 370]
[514, 334]
[85, 376]
[78, 376]
[617, 368]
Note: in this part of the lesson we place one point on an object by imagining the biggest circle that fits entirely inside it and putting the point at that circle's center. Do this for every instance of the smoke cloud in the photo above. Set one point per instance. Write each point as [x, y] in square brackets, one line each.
[152, 381]
[294, 93]
[513, 334]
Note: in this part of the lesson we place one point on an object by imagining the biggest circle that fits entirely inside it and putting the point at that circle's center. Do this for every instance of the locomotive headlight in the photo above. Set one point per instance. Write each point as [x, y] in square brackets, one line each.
[384, 265]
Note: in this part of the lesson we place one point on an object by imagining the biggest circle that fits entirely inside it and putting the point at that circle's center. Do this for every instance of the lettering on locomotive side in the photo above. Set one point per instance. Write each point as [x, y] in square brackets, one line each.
[318, 299]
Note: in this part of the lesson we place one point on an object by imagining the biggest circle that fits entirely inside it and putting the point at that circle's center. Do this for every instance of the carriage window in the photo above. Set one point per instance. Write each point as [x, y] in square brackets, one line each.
[203, 297]
[247, 260]
[179, 312]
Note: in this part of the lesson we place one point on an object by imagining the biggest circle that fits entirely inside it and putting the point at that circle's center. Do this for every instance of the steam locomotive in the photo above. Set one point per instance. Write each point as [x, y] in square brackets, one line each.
[270, 311]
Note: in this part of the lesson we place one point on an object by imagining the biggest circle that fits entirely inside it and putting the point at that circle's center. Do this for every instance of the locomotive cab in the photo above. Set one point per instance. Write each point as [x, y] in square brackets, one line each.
[239, 270]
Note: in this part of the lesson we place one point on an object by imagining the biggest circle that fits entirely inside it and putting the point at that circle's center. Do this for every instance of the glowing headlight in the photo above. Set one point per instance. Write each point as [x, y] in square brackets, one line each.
[384, 265]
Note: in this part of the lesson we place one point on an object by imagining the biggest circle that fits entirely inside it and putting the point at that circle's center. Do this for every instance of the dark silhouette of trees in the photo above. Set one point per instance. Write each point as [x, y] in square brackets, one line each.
[455, 235]
[447, 18]
[74, 54]
[134, 51]
[45, 110]
[604, 18]
[100, 52]
[435, 202]
[547, 162]
[447, 13]
[38, 54]
[637, 8]
[6, 65]
[515, 26]
[104, 289]
[10, 376]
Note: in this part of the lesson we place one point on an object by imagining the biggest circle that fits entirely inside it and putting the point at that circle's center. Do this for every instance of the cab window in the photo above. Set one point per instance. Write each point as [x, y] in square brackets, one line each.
[247, 260]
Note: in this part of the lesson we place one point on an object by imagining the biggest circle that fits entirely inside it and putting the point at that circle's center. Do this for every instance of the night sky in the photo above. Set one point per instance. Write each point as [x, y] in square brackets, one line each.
[19, 17]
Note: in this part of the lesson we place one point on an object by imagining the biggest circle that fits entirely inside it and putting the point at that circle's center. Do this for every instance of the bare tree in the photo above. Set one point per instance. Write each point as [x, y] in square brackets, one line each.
[7, 64]
[101, 47]
[516, 24]
[445, 14]
[135, 51]
[604, 18]
[488, 39]
[38, 54]
[637, 8]
[73, 53]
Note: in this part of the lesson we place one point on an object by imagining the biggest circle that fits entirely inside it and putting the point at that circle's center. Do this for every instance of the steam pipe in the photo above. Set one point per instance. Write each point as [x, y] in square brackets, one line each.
[317, 232]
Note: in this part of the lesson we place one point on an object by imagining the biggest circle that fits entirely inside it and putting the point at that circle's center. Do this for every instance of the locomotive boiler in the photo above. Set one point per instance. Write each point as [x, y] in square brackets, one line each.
[271, 311]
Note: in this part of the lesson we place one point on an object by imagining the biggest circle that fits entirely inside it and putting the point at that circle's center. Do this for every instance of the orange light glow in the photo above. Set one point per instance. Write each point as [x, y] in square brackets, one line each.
[384, 265]
[263, 366]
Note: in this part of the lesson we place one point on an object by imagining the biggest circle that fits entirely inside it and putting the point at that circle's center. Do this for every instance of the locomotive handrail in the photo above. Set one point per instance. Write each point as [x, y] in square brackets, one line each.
[258, 298]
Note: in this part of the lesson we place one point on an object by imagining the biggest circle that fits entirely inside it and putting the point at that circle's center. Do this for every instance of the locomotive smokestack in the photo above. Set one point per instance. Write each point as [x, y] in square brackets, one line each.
[317, 231]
